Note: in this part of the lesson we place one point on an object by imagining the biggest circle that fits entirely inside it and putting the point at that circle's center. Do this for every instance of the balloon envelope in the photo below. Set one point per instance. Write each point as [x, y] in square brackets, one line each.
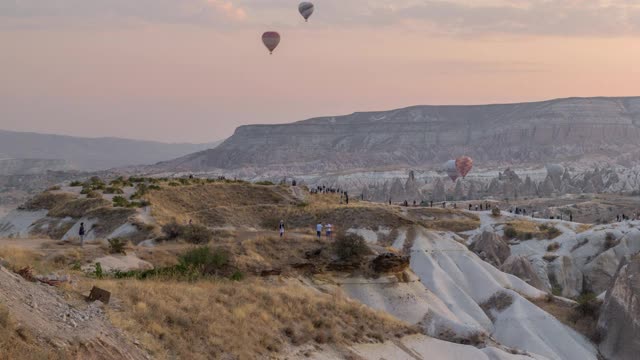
[452, 170]
[464, 164]
[306, 9]
[271, 39]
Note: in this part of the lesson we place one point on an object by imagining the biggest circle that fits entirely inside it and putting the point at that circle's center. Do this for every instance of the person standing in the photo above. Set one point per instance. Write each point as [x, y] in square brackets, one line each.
[319, 230]
[81, 233]
[281, 228]
[329, 230]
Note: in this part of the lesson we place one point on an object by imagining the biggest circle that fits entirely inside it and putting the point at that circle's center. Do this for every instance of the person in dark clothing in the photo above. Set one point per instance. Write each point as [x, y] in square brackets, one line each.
[346, 197]
[389, 201]
[571, 217]
[81, 233]
[431, 204]
[470, 207]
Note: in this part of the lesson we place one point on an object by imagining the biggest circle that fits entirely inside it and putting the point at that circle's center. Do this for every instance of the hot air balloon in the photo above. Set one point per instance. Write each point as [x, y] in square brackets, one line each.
[452, 170]
[464, 165]
[306, 9]
[271, 39]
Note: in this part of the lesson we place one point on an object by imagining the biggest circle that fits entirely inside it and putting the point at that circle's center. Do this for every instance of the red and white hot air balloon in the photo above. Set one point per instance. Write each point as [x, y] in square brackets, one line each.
[464, 164]
[306, 9]
[452, 170]
[271, 39]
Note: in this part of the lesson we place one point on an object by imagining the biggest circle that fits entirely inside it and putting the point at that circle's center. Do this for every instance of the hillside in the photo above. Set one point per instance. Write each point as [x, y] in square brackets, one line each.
[419, 282]
[85, 153]
[540, 132]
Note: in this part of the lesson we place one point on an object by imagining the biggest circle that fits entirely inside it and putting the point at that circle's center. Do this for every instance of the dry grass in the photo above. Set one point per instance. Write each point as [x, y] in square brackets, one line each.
[253, 319]
[16, 342]
[570, 316]
[454, 225]
[77, 208]
[19, 258]
[583, 228]
[47, 200]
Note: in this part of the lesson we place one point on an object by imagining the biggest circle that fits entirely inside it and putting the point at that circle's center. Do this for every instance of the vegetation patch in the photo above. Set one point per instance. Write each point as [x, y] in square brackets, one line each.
[246, 320]
[47, 201]
[192, 233]
[77, 208]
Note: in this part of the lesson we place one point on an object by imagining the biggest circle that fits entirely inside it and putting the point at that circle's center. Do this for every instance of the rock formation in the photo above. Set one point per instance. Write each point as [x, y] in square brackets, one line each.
[491, 248]
[620, 315]
[521, 267]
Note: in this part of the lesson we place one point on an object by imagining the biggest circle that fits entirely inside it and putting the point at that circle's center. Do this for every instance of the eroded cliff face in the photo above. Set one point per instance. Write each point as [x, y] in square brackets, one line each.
[620, 315]
[554, 130]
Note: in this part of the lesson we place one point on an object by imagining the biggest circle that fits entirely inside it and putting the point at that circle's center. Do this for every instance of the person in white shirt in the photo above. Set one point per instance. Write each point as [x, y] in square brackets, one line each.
[329, 230]
[319, 230]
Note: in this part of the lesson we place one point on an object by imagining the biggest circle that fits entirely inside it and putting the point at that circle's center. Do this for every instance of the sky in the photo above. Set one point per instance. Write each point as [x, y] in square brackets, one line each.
[194, 70]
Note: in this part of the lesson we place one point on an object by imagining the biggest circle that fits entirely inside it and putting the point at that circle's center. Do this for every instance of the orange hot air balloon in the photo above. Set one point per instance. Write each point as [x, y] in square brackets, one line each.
[464, 164]
[271, 39]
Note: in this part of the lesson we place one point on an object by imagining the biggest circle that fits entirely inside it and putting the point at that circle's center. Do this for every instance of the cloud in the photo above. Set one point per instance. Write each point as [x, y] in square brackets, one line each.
[452, 17]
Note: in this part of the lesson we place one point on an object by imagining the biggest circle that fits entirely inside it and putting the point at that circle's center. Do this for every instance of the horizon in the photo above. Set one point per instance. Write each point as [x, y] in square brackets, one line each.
[195, 70]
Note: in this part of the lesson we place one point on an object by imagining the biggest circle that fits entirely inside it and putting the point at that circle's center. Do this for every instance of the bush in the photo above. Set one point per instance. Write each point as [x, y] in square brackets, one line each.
[173, 183]
[94, 195]
[610, 241]
[172, 230]
[553, 247]
[205, 258]
[551, 231]
[510, 232]
[588, 305]
[351, 247]
[116, 246]
[76, 183]
[120, 201]
[495, 212]
[195, 234]
[265, 183]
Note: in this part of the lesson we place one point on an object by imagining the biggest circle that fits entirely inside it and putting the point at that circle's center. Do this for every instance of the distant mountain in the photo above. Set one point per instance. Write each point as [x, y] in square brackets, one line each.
[89, 154]
[605, 129]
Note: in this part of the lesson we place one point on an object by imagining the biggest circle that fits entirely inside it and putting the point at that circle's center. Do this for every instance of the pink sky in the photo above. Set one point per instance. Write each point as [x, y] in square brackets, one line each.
[194, 70]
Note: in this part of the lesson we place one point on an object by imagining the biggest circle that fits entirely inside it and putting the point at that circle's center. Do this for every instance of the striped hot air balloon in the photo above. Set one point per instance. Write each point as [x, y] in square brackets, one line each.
[464, 164]
[452, 170]
[271, 39]
[306, 9]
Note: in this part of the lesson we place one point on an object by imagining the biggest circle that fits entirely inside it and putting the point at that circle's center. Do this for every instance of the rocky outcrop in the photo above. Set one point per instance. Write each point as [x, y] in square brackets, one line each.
[491, 248]
[521, 267]
[620, 315]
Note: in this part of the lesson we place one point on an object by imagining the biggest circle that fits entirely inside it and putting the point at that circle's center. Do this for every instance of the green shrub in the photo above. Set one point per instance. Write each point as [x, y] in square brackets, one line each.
[195, 234]
[98, 272]
[184, 181]
[510, 232]
[495, 212]
[172, 230]
[351, 247]
[588, 305]
[116, 246]
[76, 183]
[120, 201]
[237, 276]
[205, 258]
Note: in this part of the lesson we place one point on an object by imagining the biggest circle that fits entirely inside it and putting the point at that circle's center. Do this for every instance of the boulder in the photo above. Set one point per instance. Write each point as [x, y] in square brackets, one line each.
[390, 263]
[619, 322]
[521, 267]
[491, 248]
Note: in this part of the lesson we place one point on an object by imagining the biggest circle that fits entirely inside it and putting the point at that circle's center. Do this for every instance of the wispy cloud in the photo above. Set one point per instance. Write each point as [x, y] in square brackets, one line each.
[454, 17]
